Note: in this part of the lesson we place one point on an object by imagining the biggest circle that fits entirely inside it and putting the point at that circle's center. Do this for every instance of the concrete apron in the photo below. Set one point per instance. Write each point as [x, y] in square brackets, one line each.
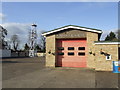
[64, 77]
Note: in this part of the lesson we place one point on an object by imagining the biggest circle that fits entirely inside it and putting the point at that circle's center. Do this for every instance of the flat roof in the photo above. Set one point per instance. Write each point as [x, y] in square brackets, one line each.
[74, 27]
[107, 42]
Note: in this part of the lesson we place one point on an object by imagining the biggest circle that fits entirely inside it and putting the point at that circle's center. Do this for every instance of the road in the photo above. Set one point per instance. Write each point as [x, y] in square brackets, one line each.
[32, 73]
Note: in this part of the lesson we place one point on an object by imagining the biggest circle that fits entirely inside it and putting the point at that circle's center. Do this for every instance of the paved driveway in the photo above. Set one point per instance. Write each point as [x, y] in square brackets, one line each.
[31, 73]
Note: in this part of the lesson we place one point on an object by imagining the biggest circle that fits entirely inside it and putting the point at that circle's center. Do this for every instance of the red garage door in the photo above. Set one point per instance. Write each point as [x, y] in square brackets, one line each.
[71, 53]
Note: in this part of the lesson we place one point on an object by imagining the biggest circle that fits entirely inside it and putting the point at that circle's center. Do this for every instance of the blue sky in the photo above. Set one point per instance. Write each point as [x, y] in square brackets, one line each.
[51, 15]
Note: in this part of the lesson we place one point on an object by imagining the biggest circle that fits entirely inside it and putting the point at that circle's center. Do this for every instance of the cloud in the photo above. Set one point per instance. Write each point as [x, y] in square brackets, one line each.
[104, 34]
[21, 29]
[2, 16]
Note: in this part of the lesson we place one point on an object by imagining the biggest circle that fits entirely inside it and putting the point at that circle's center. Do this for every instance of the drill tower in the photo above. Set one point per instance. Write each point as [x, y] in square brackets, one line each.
[32, 40]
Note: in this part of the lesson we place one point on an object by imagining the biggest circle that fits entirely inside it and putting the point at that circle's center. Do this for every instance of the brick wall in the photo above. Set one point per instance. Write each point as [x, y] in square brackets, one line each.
[50, 47]
[51, 40]
[101, 62]
[94, 60]
[91, 37]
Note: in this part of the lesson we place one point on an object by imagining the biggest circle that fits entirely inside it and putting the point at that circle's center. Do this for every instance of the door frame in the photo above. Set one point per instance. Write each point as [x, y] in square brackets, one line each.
[56, 61]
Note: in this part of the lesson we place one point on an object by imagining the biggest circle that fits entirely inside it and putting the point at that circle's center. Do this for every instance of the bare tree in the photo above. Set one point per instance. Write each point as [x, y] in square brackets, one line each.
[3, 33]
[15, 42]
[43, 43]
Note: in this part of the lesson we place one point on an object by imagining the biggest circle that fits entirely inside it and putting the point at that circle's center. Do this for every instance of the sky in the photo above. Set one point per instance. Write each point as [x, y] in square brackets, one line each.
[17, 17]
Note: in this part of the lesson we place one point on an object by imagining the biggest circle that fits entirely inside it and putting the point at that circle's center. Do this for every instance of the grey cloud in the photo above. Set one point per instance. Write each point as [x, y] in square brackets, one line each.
[20, 29]
[2, 17]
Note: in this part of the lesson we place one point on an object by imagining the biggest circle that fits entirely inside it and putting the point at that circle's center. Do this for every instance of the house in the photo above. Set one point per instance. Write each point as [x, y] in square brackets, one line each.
[76, 46]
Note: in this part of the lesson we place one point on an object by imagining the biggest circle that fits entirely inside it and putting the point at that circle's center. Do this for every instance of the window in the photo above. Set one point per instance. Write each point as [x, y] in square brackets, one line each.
[81, 48]
[70, 48]
[61, 53]
[108, 57]
[60, 48]
[70, 53]
[81, 54]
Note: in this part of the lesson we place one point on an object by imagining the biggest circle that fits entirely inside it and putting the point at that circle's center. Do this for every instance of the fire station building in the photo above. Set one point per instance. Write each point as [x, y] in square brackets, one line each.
[76, 46]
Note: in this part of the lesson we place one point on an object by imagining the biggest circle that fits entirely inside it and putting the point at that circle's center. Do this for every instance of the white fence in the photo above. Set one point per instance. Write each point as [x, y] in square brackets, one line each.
[40, 54]
[8, 53]
[5, 53]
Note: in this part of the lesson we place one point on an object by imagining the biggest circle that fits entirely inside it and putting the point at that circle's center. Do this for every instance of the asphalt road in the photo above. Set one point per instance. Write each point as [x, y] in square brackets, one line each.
[15, 67]
[32, 73]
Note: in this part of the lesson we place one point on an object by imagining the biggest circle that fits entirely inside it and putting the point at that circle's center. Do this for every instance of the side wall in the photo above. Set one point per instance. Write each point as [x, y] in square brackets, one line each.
[91, 37]
[101, 62]
[50, 51]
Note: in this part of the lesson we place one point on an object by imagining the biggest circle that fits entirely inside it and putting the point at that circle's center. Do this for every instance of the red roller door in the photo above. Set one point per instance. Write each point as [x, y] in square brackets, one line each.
[71, 53]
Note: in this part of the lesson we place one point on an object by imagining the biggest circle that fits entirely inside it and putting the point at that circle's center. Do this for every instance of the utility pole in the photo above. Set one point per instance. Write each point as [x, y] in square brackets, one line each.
[32, 40]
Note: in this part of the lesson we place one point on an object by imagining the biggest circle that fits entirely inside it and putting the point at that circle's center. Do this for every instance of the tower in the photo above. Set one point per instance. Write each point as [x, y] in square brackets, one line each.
[32, 40]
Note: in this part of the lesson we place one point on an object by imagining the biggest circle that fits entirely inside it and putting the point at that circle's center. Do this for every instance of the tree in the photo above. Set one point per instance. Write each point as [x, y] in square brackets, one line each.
[43, 43]
[15, 41]
[111, 37]
[26, 47]
[3, 33]
[38, 48]
[107, 38]
[118, 34]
